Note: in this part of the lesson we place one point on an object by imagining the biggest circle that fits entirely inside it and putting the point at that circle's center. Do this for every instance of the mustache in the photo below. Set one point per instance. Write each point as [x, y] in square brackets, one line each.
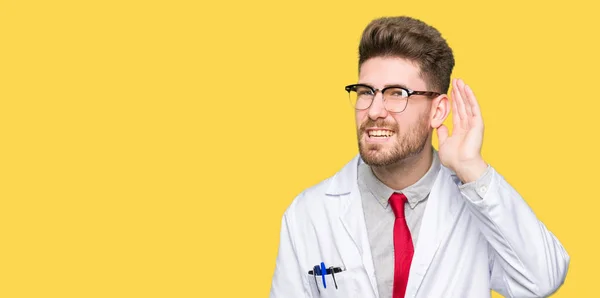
[379, 123]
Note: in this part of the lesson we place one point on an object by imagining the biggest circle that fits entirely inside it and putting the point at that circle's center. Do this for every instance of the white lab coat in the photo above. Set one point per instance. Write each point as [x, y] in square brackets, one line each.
[465, 247]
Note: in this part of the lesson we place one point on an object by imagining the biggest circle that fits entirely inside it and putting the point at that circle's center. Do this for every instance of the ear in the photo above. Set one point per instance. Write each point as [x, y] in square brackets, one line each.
[440, 109]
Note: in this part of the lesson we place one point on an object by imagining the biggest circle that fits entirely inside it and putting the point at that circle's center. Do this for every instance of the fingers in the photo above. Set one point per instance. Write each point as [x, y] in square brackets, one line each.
[461, 111]
[475, 110]
[465, 105]
[463, 92]
[455, 114]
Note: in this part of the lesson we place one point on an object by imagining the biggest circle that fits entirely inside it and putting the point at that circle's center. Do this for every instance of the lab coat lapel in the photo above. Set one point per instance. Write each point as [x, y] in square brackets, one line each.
[345, 185]
[440, 214]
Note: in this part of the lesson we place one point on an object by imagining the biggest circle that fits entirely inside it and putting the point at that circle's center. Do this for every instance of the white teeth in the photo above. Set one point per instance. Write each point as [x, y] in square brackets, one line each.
[380, 133]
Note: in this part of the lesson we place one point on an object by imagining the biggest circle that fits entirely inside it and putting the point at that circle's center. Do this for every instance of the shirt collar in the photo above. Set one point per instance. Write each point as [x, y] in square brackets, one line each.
[414, 193]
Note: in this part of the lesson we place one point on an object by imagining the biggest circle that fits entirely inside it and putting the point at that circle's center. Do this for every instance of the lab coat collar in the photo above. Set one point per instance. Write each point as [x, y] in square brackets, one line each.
[344, 185]
[443, 209]
[345, 180]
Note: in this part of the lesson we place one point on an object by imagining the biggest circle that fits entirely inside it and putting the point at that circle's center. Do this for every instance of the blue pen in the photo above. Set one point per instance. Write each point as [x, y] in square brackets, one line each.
[323, 273]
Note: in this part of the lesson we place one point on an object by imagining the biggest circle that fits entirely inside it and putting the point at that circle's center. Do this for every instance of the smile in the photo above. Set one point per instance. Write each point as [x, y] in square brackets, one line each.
[380, 133]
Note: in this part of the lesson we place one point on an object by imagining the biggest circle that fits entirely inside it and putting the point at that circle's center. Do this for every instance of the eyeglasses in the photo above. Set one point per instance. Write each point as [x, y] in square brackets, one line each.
[395, 98]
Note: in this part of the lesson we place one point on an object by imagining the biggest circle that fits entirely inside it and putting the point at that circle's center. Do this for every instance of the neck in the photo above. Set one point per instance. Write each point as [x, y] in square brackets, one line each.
[407, 171]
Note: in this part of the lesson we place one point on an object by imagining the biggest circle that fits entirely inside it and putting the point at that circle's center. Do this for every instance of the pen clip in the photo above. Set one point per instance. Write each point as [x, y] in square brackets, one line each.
[333, 276]
[323, 273]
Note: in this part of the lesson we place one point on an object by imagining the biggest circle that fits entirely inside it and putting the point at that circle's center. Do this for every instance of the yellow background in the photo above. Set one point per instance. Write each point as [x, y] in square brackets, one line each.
[149, 148]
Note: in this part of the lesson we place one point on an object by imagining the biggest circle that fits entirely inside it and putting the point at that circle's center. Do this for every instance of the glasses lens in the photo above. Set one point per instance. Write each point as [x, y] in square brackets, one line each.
[361, 97]
[395, 99]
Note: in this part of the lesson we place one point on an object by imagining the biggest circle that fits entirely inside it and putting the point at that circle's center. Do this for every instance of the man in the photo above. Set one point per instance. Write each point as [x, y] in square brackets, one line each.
[405, 220]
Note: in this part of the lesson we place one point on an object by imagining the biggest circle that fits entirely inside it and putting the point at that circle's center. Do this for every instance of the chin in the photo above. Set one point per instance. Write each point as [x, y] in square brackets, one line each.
[375, 155]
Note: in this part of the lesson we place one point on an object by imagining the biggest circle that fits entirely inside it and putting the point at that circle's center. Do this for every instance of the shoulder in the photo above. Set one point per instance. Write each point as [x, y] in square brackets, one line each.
[330, 188]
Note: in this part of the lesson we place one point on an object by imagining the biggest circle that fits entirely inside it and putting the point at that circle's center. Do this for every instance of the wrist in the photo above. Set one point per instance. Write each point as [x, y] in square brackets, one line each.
[471, 171]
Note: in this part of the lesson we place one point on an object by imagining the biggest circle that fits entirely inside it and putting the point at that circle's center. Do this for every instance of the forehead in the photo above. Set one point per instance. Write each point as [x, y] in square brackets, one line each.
[381, 71]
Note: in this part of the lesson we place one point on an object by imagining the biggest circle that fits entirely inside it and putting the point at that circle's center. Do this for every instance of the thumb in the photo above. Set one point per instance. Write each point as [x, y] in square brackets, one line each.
[442, 132]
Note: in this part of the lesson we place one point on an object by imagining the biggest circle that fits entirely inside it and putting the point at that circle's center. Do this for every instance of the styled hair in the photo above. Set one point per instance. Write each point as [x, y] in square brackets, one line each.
[413, 40]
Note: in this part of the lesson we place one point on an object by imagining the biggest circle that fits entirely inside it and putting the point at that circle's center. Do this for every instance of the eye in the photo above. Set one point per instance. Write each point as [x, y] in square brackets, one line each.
[397, 92]
[363, 91]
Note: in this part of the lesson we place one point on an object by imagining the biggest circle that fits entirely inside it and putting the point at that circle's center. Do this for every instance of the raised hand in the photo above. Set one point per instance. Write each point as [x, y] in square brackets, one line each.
[461, 152]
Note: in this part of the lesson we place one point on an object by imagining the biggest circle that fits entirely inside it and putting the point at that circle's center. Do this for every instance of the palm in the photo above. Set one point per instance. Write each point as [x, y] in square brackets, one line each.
[464, 146]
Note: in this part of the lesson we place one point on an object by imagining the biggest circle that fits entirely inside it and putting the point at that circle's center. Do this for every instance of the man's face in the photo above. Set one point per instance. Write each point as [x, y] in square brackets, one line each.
[385, 138]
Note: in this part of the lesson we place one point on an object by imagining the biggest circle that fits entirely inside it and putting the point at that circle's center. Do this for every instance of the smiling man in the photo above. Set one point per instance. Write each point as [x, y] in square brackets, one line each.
[402, 219]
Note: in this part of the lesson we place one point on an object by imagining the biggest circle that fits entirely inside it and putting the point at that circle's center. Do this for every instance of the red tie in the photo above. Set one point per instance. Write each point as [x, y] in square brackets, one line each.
[403, 246]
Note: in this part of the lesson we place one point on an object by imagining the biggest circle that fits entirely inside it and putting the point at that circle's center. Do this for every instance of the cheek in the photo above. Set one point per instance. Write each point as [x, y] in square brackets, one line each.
[412, 120]
[403, 121]
[360, 117]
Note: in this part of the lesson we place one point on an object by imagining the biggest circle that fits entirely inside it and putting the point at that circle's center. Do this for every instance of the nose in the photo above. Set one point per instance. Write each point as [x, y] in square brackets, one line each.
[377, 108]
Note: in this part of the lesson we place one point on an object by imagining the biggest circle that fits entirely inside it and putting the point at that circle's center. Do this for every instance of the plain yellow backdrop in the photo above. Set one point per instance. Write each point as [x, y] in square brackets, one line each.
[150, 148]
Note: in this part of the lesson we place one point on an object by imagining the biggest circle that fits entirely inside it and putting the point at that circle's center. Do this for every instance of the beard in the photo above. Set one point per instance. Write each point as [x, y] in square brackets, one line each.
[405, 143]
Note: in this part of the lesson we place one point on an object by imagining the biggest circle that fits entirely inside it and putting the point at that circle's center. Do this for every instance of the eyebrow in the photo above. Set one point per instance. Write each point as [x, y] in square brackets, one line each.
[387, 85]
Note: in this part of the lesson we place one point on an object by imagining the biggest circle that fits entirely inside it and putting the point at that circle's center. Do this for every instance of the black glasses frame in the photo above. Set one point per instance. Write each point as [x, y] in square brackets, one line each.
[410, 92]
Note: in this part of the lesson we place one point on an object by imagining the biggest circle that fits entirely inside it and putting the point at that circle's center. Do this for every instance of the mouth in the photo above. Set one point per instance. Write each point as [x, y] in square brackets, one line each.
[379, 135]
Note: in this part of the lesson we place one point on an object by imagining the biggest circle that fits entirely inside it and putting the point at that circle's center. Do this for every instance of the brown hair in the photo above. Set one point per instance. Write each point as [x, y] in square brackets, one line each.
[410, 39]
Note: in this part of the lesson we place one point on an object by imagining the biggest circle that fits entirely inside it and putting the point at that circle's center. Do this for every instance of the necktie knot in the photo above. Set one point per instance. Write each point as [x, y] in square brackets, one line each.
[397, 201]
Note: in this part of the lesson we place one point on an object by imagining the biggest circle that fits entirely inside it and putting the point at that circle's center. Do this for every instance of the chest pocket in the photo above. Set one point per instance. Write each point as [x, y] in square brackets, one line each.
[346, 288]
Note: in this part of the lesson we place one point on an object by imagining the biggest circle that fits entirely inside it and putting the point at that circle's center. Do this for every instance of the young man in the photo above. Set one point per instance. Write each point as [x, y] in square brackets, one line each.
[405, 220]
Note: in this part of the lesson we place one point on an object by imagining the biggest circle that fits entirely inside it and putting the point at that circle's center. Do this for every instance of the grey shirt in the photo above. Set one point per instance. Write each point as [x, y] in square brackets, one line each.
[379, 217]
